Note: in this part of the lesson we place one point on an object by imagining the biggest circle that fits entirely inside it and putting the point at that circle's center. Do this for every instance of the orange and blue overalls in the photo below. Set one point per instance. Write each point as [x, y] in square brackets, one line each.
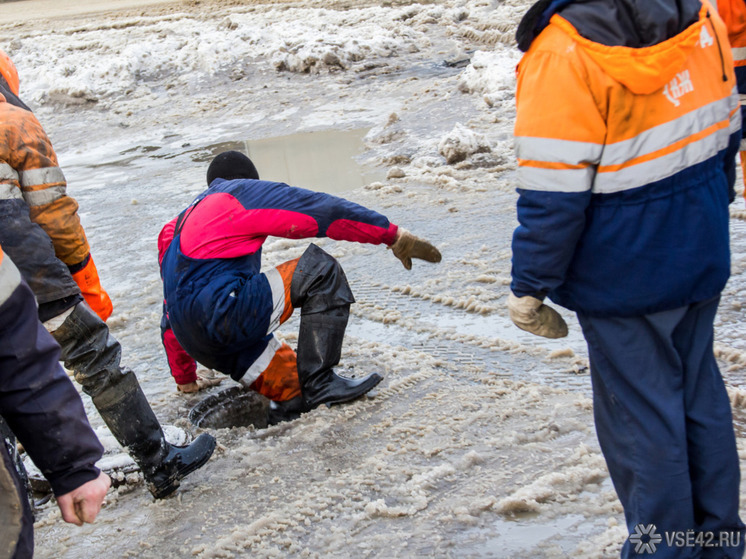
[39, 223]
[221, 308]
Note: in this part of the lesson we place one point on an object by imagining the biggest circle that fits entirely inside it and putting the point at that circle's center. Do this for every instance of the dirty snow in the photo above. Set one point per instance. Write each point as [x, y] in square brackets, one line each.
[479, 442]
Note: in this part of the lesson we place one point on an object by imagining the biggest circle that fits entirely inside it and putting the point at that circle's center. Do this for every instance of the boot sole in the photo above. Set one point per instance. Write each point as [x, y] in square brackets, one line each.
[174, 482]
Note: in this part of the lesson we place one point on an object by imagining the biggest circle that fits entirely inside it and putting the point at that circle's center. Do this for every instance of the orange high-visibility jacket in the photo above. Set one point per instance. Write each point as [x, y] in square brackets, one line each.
[35, 207]
[733, 13]
[626, 167]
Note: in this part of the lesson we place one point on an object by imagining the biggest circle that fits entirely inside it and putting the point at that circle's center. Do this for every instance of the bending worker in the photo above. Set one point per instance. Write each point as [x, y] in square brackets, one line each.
[40, 230]
[45, 413]
[223, 311]
[623, 212]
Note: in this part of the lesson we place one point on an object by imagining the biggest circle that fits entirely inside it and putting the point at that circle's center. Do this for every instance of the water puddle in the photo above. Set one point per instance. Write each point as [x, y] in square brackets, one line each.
[326, 161]
[516, 537]
[323, 161]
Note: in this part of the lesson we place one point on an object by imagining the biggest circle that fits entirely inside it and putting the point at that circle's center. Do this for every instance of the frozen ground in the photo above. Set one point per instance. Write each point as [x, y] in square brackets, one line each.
[479, 442]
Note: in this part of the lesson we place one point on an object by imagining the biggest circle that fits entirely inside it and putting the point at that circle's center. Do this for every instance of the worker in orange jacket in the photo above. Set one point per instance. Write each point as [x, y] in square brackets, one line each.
[41, 231]
[33, 176]
[626, 133]
[733, 13]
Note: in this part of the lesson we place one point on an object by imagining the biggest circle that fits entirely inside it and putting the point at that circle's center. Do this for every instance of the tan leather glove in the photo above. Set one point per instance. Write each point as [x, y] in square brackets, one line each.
[531, 315]
[206, 378]
[408, 246]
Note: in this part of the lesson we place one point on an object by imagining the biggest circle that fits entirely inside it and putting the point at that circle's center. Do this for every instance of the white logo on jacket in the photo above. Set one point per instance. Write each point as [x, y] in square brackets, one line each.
[705, 39]
[678, 87]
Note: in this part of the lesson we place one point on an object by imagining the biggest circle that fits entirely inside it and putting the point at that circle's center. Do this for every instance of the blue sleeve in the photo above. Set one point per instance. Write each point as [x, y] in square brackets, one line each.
[38, 400]
[550, 224]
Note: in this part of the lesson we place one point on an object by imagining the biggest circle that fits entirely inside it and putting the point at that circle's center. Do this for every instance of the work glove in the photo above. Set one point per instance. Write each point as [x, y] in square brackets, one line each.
[531, 315]
[206, 378]
[407, 246]
[93, 293]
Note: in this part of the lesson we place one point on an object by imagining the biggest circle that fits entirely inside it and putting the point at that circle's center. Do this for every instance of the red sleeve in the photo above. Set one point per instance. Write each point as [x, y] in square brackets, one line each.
[183, 367]
[165, 237]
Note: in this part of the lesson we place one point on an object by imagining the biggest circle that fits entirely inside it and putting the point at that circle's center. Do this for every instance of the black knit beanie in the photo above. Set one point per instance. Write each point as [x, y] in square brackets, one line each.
[231, 165]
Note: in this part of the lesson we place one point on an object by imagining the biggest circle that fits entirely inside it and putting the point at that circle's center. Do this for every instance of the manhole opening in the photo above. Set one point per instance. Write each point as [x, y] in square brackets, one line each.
[235, 407]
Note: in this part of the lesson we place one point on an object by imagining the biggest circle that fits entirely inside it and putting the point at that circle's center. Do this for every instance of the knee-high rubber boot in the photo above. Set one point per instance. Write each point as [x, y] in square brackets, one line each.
[126, 412]
[93, 355]
[319, 349]
[319, 287]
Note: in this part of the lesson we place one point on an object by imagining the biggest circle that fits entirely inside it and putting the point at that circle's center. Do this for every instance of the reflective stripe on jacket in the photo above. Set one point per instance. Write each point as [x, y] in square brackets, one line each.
[10, 278]
[733, 13]
[29, 171]
[39, 225]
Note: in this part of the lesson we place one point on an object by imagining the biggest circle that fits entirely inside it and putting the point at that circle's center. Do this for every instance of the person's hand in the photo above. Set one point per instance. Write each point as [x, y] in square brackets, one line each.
[531, 315]
[407, 246]
[206, 378]
[84, 503]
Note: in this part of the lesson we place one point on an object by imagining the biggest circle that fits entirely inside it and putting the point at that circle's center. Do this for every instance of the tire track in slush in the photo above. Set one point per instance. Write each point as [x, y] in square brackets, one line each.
[557, 364]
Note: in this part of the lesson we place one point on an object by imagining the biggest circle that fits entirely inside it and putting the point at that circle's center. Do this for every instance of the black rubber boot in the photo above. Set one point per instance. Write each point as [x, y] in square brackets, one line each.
[319, 287]
[94, 357]
[89, 350]
[126, 412]
[286, 411]
[319, 349]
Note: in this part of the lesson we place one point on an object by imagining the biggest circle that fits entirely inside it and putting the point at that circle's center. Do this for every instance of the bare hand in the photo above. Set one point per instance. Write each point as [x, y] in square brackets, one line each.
[84, 503]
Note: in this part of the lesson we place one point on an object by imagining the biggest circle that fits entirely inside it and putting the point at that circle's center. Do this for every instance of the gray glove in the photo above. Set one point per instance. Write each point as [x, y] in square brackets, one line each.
[531, 315]
[408, 246]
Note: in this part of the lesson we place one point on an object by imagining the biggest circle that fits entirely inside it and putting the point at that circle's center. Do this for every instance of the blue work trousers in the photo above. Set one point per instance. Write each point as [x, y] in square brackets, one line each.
[664, 423]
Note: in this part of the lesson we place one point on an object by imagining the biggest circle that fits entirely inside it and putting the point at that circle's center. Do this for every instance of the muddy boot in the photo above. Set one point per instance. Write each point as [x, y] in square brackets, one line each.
[319, 349]
[286, 411]
[88, 349]
[94, 355]
[130, 419]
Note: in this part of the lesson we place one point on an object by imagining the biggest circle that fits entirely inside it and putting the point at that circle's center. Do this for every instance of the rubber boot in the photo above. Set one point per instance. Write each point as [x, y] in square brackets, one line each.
[319, 349]
[126, 412]
[286, 411]
[89, 350]
[320, 289]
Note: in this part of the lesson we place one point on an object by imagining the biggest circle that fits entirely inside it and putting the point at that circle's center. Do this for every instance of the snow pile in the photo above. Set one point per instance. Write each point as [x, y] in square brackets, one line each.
[132, 58]
[322, 43]
[460, 143]
[492, 74]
